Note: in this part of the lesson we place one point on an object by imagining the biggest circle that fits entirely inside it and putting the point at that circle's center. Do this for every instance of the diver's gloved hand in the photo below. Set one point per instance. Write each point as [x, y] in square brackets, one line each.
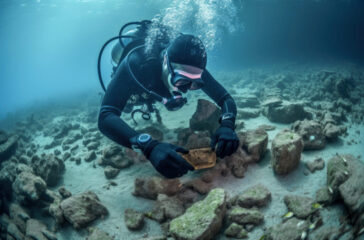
[166, 160]
[226, 139]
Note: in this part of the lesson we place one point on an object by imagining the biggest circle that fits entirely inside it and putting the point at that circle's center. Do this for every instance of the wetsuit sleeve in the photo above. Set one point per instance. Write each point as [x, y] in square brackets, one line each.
[114, 101]
[218, 93]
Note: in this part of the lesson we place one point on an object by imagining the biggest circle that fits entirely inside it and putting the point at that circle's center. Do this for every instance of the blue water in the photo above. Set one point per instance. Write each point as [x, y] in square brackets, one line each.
[49, 48]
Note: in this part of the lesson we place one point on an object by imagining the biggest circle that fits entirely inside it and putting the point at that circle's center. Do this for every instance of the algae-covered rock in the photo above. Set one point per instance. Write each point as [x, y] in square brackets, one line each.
[287, 147]
[312, 134]
[37, 230]
[290, 230]
[286, 113]
[236, 231]
[317, 164]
[255, 196]
[81, 209]
[302, 207]
[151, 187]
[48, 167]
[7, 148]
[248, 113]
[28, 187]
[203, 219]
[323, 196]
[245, 216]
[134, 220]
[255, 143]
[167, 208]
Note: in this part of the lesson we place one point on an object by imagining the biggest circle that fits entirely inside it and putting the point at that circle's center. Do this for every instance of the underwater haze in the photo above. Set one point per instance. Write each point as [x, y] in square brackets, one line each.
[293, 70]
[49, 48]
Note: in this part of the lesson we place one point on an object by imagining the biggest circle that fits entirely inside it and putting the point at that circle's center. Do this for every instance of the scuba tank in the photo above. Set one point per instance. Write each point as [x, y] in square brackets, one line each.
[120, 49]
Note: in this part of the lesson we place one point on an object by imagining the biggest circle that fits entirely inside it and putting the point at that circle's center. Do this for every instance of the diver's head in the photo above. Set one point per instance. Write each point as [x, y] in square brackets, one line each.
[184, 61]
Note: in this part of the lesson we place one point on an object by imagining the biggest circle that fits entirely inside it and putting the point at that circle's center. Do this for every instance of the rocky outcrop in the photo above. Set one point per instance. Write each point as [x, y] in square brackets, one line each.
[48, 167]
[292, 229]
[114, 157]
[287, 147]
[317, 164]
[202, 220]
[28, 187]
[255, 196]
[134, 220]
[245, 216]
[206, 116]
[254, 142]
[7, 145]
[151, 187]
[82, 209]
[312, 134]
[302, 207]
[286, 112]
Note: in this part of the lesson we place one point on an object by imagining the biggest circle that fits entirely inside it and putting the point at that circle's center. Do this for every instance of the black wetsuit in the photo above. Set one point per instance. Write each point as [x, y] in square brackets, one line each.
[148, 71]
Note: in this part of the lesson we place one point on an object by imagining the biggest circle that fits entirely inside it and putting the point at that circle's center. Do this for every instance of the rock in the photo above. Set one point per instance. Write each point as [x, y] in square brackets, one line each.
[167, 208]
[286, 113]
[245, 216]
[134, 220]
[323, 196]
[312, 134]
[93, 146]
[206, 116]
[351, 190]
[28, 187]
[49, 167]
[19, 216]
[151, 187]
[317, 164]
[81, 209]
[255, 196]
[66, 156]
[7, 226]
[266, 127]
[199, 186]
[56, 212]
[78, 160]
[302, 207]
[272, 102]
[8, 147]
[53, 144]
[203, 219]
[248, 113]
[236, 231]
[338, 171]
[255, 143]
[290, 230]
[90, 156]
[97, 234]
[64, 192]
[38, 231]
[3, 137]
[248, 101]
[287, 147]
[332, 132]
[113, 156]
[237, 162]
[73, 137]
[111, 172]
[187, 196]
[198, 140]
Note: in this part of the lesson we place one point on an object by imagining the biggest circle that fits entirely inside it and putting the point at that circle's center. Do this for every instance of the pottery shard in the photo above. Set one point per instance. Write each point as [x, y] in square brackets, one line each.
[287, 147]
[202, 220]
[151, 187]
[312, 134]
[206, 116]
[290, 230]
[82, 209]
[201, 158]
[245, 216]
[255, 196]
[302, 207]
[255, 143]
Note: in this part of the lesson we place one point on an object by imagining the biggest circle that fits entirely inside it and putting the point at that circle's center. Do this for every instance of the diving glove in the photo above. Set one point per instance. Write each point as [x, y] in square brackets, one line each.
[165, 158]
[226, 139]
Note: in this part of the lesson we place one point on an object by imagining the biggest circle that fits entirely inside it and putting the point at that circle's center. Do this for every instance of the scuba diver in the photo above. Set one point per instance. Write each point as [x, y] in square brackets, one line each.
[163, 75]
